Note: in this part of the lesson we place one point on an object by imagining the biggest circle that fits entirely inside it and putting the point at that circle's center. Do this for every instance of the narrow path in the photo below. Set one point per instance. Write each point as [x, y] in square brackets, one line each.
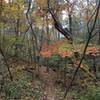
[49, 79]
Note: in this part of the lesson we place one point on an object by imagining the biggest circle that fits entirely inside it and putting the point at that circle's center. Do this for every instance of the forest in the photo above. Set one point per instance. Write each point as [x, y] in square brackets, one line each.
[49, 49]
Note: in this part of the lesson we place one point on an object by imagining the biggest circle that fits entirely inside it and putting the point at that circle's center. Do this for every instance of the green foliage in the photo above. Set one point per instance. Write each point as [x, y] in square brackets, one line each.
[23, 87]
[65, 46]
[92, 93]
[56, 57]
[79, 40]
[54, 61]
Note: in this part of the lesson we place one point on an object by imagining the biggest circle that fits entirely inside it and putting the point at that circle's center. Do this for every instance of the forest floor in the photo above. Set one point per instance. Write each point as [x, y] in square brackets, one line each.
[49, 79]
[51, 90]
[34, 82]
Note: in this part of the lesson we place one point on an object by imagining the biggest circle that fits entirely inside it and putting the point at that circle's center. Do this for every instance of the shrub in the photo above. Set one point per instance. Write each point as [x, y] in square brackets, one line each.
[92, 93]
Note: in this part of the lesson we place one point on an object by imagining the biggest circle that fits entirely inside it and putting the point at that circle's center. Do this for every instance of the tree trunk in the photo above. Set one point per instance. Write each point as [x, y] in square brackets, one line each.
[70, 23]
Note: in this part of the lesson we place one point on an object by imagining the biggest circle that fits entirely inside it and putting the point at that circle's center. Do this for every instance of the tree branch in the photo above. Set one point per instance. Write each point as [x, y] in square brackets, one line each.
[6, 63]
[58, 25]
[89, 38]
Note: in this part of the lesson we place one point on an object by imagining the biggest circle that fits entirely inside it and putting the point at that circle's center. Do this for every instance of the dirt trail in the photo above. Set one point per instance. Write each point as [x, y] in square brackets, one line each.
[49, 79]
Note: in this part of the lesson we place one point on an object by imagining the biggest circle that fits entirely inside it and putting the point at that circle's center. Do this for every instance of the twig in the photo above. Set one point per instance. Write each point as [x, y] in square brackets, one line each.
[89, 38]
[6, 63]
